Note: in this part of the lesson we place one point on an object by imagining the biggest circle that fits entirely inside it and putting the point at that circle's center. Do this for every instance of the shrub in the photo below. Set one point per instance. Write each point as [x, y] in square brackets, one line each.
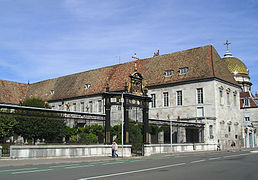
[88, 138]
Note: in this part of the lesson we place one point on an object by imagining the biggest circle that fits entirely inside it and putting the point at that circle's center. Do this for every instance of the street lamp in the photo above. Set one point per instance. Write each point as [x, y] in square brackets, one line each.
[122, 133]
[171, 133]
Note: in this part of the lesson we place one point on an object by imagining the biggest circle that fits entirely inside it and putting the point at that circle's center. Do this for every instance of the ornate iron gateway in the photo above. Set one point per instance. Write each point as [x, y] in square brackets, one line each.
[133, 95]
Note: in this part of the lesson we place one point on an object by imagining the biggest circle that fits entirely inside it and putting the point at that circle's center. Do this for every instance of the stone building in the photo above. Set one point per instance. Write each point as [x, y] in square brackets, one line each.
[193, 88]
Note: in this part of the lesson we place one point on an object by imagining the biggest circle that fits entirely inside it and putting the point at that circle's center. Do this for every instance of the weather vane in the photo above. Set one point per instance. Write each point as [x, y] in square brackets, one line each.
[135, 58]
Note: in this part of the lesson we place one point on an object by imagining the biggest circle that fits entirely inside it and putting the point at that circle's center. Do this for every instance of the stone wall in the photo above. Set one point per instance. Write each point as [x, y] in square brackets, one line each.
[150, 149]
[39, 151]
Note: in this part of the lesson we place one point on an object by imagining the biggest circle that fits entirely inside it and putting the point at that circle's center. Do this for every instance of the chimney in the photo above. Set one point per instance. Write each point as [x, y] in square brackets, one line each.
[156, 54]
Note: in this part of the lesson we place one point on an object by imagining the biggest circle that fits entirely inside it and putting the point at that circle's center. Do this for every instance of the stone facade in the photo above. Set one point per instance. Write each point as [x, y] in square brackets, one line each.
[219, 109]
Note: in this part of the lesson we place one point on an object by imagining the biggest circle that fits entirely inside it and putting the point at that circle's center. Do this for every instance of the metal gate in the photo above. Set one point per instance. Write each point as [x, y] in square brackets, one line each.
[136, 138]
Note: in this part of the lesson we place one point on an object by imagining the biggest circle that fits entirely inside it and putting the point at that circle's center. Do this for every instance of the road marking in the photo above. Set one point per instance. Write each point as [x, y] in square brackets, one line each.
[10, 170]
[198, 161]
[63, 166]
[39, 170]
[215, 158]
[244, 154]
[108, 163]
[130, 172]
[180, 156]
[232, 156]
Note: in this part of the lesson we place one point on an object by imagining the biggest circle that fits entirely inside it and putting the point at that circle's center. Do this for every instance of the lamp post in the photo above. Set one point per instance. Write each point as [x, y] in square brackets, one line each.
[171, 133]
[45, 103]
[122, 133]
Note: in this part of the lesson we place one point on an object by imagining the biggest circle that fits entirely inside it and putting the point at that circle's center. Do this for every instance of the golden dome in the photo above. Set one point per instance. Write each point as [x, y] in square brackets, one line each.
[235, 65]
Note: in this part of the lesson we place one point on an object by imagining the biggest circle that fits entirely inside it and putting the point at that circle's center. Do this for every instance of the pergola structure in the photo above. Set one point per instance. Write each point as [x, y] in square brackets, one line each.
[134, 95]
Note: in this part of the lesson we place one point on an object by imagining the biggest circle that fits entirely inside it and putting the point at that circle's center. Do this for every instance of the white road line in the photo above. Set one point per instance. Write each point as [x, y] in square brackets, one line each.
[7, 170]
[180, 156]
[130, 172]
[40, 170]
[198, 161]
[215, 158]
[62, 166]
[232, 156]
[111, 163]
[244, 154]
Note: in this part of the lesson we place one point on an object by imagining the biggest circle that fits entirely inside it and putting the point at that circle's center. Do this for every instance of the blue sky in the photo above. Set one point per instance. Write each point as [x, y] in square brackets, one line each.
[43, 39]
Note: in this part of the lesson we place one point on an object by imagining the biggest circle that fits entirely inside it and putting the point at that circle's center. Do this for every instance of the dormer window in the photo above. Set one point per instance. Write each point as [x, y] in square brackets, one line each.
[246, 102]
[87, 86]
[183, 70]
[52, 92]
[169, 73]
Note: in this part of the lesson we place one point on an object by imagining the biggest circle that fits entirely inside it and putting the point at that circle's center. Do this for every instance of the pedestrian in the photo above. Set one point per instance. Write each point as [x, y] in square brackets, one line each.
[218, 146]
[114, 149]
[233, 144]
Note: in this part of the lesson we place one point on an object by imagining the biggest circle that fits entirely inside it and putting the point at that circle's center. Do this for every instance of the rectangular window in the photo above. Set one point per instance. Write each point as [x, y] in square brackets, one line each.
[153, 100]
[99, 106]
[183, 70]
[247, 118]
[211, 131]
[179, 98]
[165, 95]
[200, 95]
[200, 112]
[221, 97]
[74, 106]
[82, 106]
[235, 99]
[91, 106]
[169, 73]
[228, 100]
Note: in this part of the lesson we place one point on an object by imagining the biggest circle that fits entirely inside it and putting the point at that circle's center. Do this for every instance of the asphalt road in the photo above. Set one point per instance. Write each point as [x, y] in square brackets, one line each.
[241, 165]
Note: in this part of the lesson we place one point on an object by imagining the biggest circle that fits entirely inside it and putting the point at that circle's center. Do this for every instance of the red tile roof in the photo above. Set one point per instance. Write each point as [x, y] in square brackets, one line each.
[11, 92]
[202, 62]
[253, 101]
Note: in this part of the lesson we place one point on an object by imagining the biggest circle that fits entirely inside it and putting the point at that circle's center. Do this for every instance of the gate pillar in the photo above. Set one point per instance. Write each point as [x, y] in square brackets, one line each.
[107, 121]
[126, 119]
[145, 112]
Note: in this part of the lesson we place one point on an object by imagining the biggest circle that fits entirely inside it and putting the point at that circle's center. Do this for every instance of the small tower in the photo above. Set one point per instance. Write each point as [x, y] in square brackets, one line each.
[238, 69]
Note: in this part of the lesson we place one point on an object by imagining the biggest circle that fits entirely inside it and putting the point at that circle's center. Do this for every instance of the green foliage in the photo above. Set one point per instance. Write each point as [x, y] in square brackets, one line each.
[116, 131]
[88, 138]
[70, 131]
[7, 124]
[154, 129]
[135, 135]
[5, 149]
[87, 134]
[35, 126]
[73, 138]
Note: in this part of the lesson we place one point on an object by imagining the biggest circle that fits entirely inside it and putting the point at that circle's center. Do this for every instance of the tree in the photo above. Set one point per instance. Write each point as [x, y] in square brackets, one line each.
[7, 124]
[35, 125]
